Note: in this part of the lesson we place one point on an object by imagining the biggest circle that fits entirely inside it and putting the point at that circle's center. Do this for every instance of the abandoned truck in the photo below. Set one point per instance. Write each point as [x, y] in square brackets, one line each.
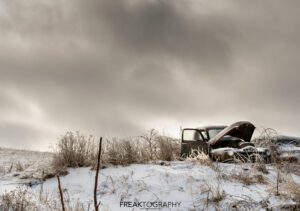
[224, 143]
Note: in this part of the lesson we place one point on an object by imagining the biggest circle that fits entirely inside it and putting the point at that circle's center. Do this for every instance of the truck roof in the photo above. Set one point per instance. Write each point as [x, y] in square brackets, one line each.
[211, 127]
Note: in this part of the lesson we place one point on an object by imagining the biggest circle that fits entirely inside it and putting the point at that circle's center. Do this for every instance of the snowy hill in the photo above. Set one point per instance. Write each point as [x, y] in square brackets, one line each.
[177, 185]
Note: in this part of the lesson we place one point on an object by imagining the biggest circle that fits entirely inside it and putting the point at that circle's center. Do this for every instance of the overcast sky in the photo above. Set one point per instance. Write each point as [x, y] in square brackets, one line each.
[121, 67]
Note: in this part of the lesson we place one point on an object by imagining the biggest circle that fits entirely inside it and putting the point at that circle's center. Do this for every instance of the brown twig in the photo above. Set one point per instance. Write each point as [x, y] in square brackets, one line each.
[61, 194]
[96, 177]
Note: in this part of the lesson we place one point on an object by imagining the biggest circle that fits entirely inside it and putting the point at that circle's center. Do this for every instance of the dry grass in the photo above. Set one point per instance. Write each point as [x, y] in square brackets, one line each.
[288, 188]
[214, 194]
[292, 168]
[247, 178]
[260, 166]
[197, 155]
[217, 195]
[17, 200]
[22, 200]
[247, 205]
[292, 189]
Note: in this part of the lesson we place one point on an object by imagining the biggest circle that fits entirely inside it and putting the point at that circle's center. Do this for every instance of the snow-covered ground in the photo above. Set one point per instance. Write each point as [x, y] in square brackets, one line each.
[189, 184]
[12, 160]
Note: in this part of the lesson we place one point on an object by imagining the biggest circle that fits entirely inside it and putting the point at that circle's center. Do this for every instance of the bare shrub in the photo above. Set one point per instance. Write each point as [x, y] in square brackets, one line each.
[268, 139]
[130, 152]
[59, 167]
[149, 147]
[121, 152]
[150, 143]
[74, 150]
[169, 149]
[112, 152]
[159, 147]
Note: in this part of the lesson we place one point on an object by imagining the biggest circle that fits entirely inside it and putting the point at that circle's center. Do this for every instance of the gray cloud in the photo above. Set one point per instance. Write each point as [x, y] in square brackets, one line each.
[120, 67]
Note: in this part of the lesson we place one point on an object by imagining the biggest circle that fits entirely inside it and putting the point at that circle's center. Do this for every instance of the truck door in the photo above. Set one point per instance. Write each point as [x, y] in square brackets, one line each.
[193, 139]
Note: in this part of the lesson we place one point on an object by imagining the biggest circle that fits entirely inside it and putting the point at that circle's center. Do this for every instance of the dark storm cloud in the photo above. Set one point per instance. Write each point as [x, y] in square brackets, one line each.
[119, 67]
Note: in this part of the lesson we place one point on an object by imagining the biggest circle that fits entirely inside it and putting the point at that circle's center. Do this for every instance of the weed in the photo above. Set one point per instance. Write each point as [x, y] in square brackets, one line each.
[197, 155]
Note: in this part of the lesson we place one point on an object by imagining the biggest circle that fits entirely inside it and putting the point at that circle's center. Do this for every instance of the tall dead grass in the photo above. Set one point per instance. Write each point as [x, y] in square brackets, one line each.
[21, 199]
[17, 200]
[214, 192]
[247, 179]
[197, 155]
[287, 187]
[291, 189]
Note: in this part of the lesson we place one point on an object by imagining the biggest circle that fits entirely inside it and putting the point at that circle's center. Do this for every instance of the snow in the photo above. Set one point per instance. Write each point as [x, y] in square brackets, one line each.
[10, 158]
[189, 183]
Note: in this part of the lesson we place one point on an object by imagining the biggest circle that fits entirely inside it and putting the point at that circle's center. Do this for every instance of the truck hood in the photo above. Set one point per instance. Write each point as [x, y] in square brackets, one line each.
[243, 130]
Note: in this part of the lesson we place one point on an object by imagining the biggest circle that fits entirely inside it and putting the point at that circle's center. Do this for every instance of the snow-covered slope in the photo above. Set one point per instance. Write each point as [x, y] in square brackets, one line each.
[190, 185]
[193, 185]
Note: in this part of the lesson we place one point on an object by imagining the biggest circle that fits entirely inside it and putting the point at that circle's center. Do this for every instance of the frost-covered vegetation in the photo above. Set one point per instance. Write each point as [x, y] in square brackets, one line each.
[76, 150]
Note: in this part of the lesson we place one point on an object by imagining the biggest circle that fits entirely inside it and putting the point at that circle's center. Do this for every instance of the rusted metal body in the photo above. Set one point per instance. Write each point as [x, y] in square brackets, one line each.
[223, 143]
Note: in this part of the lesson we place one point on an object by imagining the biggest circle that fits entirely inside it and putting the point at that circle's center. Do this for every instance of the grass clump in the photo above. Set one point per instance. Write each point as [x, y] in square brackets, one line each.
[248, 179]
[17, 200]
[197, 155]
[288, 188]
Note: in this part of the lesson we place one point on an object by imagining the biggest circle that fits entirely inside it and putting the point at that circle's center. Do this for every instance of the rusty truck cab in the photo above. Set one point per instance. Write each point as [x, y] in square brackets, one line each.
[197, 138]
